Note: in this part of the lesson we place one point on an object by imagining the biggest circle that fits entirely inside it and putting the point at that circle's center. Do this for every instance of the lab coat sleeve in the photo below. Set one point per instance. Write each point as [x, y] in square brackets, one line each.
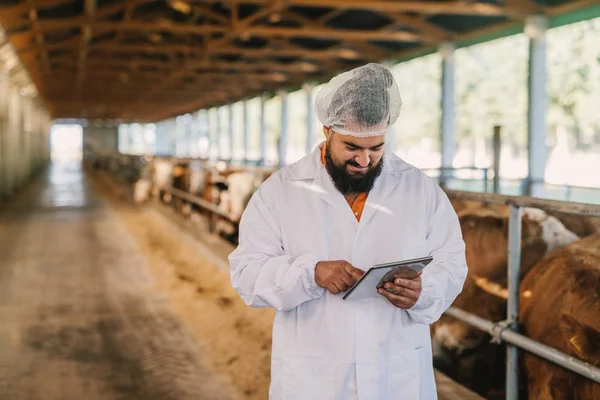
[261, 272]
[443, 279]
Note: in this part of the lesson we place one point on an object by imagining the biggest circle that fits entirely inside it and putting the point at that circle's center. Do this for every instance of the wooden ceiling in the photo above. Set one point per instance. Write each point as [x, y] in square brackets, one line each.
[145, 60]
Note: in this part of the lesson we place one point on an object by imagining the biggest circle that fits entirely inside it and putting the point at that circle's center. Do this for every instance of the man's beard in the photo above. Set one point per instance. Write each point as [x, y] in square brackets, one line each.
[348, 183]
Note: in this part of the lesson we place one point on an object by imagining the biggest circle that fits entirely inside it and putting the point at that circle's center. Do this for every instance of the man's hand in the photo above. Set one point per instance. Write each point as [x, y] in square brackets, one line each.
[404, 292]
[336, 276]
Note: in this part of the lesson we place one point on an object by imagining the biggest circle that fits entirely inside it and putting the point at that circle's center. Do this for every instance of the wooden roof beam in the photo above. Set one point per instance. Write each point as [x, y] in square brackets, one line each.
[371, 51]
[130, 49]
[45, 59]
[106, 73]
[86, 37]
[429, 33]
[127, 15]
[520, 9]
[10, 16]
[202, 8]
[239, 26]
[341, 34]
[187, 66]
[421, 7]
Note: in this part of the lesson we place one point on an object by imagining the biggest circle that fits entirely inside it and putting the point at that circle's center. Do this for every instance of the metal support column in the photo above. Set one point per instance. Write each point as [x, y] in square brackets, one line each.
[497, 145]
[310, 115]
[283, 136]
[447, 137]
[245, 130]
[512, 313]
[209, 141]
[230, 130]
[3, 128]
[535, 28]
[219, 132]
[262, 132]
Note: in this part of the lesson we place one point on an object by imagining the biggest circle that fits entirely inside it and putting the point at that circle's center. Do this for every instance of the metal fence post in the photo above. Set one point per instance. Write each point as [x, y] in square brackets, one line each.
[496, 145]
[485, 180]
[512, 315]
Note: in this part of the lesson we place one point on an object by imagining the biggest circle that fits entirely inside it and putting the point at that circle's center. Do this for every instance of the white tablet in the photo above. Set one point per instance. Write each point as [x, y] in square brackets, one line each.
[377, 275]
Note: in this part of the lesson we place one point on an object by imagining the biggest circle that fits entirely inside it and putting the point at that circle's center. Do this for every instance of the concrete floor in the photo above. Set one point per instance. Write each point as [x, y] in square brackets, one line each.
[79, 316]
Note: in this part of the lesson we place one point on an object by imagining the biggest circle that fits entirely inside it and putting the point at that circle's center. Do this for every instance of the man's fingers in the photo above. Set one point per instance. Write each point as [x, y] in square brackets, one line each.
[358, 273]
[398, 301]
[355, 273]
[402, 291]
[414, 284]
[348, 280]
[340, 285]
[333, 289]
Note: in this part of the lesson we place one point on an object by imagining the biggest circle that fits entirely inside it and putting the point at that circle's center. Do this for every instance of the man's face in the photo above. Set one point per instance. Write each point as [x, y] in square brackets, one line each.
[353, 163]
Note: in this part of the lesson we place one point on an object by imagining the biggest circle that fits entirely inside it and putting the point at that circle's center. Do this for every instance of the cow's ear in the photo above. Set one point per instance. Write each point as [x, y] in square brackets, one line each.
[582, 338]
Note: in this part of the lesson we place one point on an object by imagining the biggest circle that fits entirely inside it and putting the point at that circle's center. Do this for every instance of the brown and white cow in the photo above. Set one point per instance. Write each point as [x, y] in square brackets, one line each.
[560, 307]
[580, 225]
[162, 178]
[240, 187]
[458, 348]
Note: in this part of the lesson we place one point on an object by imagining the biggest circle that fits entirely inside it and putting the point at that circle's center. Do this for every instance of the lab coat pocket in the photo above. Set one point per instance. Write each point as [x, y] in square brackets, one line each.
[404, 373]
[308, 376]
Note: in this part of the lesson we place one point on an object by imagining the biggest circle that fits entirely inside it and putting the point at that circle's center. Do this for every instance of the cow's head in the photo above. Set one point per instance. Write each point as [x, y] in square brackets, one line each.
[485, 232]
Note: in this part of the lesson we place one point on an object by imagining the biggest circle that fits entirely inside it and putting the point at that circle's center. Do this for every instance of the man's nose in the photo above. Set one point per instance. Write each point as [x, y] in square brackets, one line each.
[363, 158]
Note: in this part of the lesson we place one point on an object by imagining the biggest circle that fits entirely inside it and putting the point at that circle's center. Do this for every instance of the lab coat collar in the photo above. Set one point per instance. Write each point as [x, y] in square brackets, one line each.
[310, 168]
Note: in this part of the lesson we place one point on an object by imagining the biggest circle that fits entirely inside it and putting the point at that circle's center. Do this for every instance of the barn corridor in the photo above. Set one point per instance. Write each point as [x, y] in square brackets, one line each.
[79, 316]
[100, 300]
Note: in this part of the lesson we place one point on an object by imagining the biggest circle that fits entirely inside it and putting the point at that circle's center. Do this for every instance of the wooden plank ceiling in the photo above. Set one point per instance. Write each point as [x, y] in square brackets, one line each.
[145, 60]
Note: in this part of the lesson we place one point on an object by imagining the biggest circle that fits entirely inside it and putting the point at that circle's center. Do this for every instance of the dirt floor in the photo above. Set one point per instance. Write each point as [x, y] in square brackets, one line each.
[80, 317]
[237, 338]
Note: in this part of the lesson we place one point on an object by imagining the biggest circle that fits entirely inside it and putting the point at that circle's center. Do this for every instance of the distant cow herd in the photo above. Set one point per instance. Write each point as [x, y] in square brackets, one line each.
[560, 279]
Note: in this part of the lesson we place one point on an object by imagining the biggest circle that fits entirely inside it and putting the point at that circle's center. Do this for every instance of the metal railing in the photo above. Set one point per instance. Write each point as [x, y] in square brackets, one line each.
[447, 173]
[505, 330]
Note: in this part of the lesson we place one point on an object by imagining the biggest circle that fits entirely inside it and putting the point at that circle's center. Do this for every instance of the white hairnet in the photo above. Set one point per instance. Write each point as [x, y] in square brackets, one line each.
[362, 102]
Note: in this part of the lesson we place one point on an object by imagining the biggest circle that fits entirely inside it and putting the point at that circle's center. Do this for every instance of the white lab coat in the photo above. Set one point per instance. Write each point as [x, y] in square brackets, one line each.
[325, 347]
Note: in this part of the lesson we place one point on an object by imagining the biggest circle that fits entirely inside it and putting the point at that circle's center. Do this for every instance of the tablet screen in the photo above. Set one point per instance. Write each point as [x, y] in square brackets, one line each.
[377, 275]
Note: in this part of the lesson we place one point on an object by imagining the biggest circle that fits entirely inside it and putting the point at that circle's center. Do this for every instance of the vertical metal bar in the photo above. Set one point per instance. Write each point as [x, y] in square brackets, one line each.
[284, 130]
[230, 133]
[512, 315]
[263, 132]
[496, 159]
[535, 28]
[447, 128]
[209, 129]
[309, 117]
[245, 127]
[485, 180]
[219, 129]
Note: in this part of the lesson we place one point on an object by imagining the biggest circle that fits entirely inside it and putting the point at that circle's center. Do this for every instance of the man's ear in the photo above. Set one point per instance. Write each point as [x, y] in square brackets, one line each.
[327, 132]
